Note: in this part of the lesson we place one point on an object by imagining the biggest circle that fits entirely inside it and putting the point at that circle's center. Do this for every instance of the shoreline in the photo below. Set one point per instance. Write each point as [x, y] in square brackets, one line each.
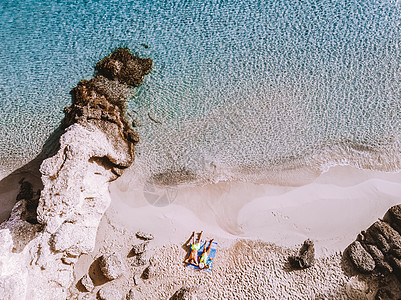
[331, 210]
[350, 198]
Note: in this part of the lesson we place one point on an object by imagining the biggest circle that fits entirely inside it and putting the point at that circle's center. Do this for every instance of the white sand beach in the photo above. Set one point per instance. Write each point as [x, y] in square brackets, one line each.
[331, 210]
[256, 227]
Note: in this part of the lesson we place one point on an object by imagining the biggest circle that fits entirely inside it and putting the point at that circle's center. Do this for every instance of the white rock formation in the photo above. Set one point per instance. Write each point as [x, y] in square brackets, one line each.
[42, 240]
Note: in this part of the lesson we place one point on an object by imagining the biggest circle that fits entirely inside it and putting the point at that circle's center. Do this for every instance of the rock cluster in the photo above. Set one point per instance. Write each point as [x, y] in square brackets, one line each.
[139, 250]
[378, 249]
[305, 257]
[49, 229]
[112, 266]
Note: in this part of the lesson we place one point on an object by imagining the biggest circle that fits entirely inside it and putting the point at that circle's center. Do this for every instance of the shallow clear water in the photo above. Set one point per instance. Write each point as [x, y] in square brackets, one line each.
[239, 87]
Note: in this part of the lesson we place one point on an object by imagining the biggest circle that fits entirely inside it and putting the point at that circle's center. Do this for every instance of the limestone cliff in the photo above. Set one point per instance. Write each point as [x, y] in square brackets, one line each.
[51, 227]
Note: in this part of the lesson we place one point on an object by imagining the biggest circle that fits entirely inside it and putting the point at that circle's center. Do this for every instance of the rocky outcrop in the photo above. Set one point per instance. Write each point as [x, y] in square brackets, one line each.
[49, 229]
[378, 249]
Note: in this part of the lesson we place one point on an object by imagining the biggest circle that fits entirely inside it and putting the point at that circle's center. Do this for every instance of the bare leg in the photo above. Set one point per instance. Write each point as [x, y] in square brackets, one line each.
[210, 246]
[192, 254]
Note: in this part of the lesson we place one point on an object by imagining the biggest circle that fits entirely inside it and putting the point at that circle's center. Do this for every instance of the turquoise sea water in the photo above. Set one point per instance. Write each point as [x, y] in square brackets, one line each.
[239, 87]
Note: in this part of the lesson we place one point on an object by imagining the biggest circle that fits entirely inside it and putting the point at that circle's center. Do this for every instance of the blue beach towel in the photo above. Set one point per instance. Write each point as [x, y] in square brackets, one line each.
[210, 259]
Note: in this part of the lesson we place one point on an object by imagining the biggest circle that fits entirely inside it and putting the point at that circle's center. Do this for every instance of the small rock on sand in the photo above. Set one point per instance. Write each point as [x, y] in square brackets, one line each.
[130, 295]
[108, 293]
[111, 265]
[136, 279]
[149, 272]
[139, 261]
[87, 283]
[305, 257]
[144, 236]
[140, 248]
[182, 294]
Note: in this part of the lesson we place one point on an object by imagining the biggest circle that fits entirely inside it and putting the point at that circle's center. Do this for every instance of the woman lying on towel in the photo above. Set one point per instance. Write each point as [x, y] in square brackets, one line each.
[204, 256]
[193, 255]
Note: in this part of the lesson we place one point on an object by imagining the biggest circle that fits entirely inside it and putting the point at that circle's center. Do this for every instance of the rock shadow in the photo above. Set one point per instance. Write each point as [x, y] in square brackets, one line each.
[96, 274]
[10, 186]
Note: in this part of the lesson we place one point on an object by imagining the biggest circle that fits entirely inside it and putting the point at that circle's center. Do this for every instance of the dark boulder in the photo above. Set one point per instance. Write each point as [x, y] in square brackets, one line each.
[393, 217]
[305, 257]
[382, 229]
[378, 249]
[379, 258]
[121, 65]
[361, 259]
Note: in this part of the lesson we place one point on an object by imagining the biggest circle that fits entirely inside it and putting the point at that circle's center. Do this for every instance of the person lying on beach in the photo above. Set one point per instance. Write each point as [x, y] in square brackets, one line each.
[204, 256]
[193, 255]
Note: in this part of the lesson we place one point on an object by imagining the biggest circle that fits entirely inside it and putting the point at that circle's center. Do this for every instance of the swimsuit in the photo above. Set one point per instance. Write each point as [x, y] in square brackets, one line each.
[195, 246]
[204, 258]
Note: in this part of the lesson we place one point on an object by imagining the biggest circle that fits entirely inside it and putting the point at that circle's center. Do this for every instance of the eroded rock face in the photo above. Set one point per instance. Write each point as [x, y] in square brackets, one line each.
[378, 249]
[50, 228]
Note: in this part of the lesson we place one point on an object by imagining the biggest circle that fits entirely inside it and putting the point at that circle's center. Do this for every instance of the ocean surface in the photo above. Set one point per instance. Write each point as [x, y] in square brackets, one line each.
[239, 89]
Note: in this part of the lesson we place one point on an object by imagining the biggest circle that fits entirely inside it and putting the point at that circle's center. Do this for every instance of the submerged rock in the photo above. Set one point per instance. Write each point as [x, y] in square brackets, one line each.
[305, 257]
[139, 261]
[124, 67]
[112, 266]
[384, 294]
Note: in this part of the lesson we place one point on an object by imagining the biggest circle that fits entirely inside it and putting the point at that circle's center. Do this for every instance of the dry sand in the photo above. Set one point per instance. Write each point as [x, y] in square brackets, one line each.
[256, 226]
